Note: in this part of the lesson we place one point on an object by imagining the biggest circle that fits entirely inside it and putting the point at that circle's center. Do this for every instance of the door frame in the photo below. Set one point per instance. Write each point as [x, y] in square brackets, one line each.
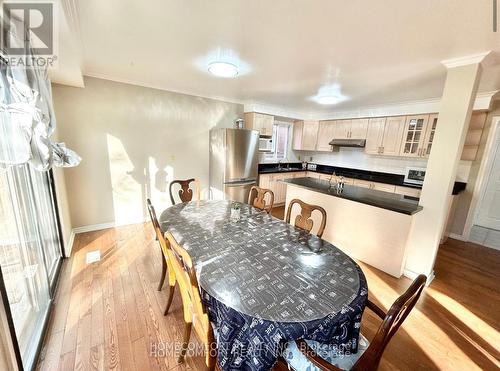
[482, 178]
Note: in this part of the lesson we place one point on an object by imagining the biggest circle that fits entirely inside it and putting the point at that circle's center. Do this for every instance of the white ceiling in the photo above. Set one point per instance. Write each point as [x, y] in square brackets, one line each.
[380, 52]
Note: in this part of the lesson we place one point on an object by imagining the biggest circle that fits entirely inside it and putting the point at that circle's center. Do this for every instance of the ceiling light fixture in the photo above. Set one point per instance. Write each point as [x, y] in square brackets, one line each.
[223, 69]
[329, 95]
[327, 100]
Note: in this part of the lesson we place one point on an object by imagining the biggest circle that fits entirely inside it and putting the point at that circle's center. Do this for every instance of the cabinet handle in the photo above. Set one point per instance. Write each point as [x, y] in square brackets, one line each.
[383, 149]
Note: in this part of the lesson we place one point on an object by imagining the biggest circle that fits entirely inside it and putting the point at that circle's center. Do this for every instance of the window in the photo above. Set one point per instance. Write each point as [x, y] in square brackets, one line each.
[280, 141]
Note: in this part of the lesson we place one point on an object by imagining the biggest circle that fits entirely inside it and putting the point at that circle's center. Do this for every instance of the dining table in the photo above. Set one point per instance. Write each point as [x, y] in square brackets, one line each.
[265, 282]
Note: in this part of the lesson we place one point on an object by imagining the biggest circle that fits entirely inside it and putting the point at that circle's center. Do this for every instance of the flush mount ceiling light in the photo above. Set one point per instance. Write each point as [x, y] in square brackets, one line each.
[223, 69]
[329, 95]
[327, 100]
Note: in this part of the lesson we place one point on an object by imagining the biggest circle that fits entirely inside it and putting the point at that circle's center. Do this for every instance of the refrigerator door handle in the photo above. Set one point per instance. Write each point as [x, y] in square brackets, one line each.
[240, 184]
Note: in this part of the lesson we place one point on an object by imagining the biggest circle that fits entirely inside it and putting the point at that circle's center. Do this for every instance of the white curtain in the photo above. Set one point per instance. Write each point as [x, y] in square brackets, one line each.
[27, 120]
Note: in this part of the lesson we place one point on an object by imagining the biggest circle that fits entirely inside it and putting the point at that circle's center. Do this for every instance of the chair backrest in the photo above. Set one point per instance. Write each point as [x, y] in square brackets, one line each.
[161, 241]
[185, 193]
[390, 325]
[194, 310]
[303, 220]
[256, 198]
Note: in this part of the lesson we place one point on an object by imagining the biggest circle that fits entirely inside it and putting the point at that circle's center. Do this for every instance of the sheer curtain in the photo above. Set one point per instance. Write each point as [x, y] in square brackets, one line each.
[30, 243]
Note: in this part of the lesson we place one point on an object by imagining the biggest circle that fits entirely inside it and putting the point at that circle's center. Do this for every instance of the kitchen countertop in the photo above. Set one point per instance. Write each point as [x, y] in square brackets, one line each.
[373, 176]
[385, 200]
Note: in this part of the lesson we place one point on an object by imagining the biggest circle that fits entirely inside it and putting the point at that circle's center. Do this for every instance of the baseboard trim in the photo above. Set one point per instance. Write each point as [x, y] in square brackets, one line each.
[458, 237]
[94, 227]
[412, 275]
[99, 227]
[69, 245]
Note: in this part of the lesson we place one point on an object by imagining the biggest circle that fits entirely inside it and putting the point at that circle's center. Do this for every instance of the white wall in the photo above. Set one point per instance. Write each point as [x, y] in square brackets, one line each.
[133, 141]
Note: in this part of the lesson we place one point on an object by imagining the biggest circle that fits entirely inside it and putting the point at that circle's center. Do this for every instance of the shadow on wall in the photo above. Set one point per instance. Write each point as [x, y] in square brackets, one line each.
[133, 141]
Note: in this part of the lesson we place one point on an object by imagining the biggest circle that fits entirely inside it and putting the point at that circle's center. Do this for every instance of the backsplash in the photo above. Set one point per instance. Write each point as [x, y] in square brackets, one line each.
[357, 159]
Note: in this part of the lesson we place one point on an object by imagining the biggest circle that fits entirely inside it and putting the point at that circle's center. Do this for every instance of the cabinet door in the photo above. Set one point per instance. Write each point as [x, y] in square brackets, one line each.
[266, 123]
[342, 129]
[359, 129]
[413, 135]
[375, 135]
[298, 128]
[384, 187]
[393, 135]
[325, 135]
[312, 174]
[429, 136]
[408, 191]
[310, 135]
[362, 183]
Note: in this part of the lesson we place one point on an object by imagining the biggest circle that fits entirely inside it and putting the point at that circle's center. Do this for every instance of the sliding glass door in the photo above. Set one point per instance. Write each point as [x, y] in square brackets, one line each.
[30, 252]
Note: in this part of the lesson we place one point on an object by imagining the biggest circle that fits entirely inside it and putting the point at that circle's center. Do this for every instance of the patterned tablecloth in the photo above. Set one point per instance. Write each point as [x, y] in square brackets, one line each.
[265, 282]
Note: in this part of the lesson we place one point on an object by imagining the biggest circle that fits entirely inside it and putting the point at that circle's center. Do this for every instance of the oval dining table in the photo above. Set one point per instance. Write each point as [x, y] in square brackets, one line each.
[265, 282]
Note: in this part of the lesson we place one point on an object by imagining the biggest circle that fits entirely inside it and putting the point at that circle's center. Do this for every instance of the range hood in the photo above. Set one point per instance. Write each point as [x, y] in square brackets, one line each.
[359, 143]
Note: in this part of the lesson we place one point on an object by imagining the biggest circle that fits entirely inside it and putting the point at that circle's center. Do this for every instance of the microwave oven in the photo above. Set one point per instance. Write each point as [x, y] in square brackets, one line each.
[415, 175]
[265, 144]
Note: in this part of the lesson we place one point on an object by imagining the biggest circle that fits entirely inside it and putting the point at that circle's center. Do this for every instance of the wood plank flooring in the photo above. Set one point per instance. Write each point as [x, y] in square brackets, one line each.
[109, 315]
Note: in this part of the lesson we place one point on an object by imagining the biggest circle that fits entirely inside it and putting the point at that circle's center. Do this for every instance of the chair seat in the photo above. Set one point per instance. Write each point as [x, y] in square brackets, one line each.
[330, 353]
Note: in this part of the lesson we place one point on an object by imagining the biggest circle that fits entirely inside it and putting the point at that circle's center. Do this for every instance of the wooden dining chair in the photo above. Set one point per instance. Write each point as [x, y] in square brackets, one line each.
[303, 220]
[256, 198]
[185, 192]
[166, 263]
[195, 314]
[301, 354]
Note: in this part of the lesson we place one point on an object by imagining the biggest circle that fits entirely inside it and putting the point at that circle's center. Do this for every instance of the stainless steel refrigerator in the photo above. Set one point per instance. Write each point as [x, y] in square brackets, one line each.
[233, 163]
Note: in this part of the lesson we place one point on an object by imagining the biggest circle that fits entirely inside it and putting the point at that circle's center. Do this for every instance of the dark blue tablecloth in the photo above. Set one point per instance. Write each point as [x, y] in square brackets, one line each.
[249, 343]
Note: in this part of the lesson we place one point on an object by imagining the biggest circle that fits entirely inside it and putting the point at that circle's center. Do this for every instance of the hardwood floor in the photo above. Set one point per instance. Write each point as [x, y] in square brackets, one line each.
[109, 314]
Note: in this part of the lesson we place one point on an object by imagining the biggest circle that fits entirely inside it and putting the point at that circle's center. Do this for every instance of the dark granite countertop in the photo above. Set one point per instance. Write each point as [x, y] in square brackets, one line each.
[385, 200]
[373, 176]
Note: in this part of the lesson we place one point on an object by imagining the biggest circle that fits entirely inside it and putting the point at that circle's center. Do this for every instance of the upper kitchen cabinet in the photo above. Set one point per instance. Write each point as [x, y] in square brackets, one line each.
[429, 135]
[359, 128]
[384, 135]
[350, 129]
[305, 135]
[375, 135]
[414, 136]
[325, 135]
[342, 129]
[261, 122]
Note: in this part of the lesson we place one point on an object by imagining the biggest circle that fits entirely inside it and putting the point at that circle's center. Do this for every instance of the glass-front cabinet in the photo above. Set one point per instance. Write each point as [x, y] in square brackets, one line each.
[429, 135]
[414, 136]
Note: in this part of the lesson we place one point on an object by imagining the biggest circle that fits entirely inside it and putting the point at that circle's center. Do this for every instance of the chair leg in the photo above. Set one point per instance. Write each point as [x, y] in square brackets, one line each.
[163, 271]
[185, 342]
[170, 297]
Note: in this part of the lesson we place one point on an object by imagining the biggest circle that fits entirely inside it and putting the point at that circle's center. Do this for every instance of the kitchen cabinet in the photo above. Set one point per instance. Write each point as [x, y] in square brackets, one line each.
[274, 182]
[325, 135]
[429, 135]
[305, 135]
[312, 174]
[384, 135]
[408, 191]
[384, 187]
[362, 183]
[414, 136]
[350, 129]
[375, 135]
[359, 129]
[342, 129]
[261, 122]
